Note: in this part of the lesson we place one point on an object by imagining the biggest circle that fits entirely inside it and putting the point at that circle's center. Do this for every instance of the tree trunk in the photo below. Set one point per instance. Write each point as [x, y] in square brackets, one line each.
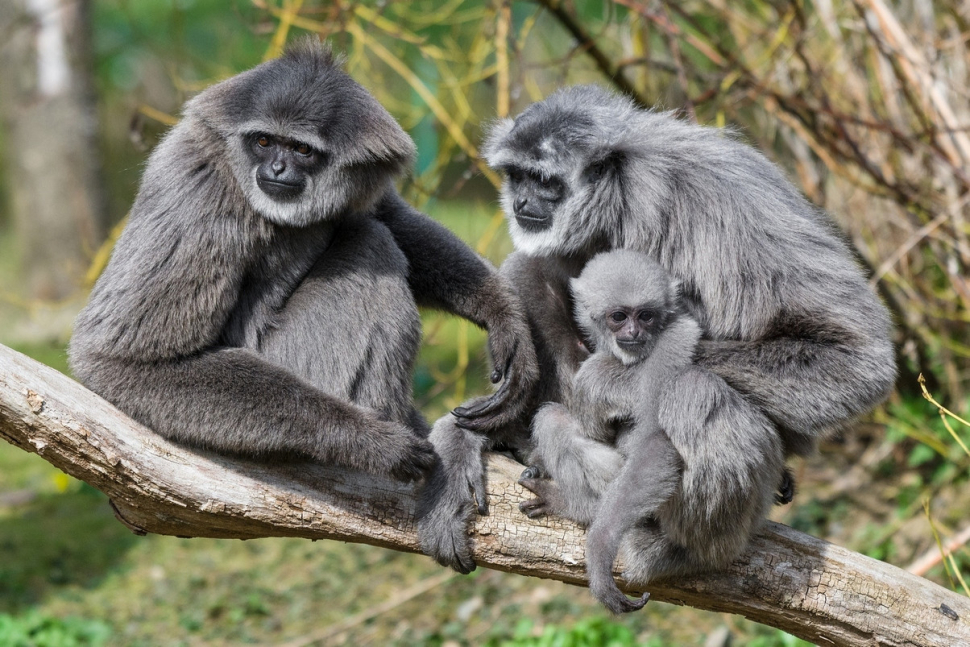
[786, 579]
[53, 168]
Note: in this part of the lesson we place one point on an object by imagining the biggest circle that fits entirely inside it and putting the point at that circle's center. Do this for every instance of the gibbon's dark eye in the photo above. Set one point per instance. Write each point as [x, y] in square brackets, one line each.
[618, 316]
[551, 183]
[303, 149]
[514, 175]
[263, 141]
[645, 316]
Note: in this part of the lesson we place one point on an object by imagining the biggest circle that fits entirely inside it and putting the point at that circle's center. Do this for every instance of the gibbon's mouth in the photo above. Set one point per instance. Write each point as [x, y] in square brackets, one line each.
[277, 189]
[630, 344]
[532, 223]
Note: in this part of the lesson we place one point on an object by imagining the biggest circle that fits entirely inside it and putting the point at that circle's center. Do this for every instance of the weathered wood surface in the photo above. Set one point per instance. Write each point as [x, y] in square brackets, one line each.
[806, 586]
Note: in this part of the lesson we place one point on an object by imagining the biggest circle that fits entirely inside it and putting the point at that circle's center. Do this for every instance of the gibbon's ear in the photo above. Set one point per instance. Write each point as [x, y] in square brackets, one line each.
[380, 138]
[675, 288]
[605, 162]
[676, 303]
[494, 150]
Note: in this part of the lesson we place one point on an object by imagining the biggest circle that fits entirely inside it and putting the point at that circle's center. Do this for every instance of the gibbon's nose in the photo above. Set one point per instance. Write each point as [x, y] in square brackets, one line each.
[519, 204]
[278, 167]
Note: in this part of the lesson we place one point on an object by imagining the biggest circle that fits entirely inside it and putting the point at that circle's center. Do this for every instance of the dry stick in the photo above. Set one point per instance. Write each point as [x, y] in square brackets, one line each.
[921, 78]
[586, 41]
[934, 555]
[673, 44]
[916, 238]
[786, 579]
[393, 602]
[503, 18]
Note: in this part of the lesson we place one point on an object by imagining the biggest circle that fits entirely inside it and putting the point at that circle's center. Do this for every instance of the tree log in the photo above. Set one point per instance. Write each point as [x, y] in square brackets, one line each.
[786, 579]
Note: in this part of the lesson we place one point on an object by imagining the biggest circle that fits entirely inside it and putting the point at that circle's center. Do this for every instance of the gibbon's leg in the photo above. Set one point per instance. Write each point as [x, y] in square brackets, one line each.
[648, 480]
[579, 467]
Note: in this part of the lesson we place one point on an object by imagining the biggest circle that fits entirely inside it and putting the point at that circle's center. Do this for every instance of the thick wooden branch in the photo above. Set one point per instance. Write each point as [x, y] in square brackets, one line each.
[806, 586]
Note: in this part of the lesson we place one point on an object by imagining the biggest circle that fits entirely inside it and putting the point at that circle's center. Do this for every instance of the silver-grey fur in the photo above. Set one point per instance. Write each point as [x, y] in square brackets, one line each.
[615, 469]
[244, 323]
[794, 342]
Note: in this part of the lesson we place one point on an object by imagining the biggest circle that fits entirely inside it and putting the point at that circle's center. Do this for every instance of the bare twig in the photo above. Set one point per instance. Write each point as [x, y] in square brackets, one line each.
[586, 42]
[393, 602]
[922, 564]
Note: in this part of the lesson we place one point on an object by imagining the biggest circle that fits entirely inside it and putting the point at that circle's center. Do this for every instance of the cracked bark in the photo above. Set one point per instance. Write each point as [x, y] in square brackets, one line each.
[786, 579]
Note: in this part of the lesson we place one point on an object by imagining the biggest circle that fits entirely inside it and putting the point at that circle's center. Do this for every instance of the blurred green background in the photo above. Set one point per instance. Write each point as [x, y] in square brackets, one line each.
[864, 103]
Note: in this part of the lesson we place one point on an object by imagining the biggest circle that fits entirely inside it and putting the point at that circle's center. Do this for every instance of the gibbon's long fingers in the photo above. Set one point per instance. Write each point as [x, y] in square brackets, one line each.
[602, 543]
[480, 497]
[519, 375]
[417, 461]
[476, 417]
[487, 413]
[786, 491]
[549, 498]
[619, 603]
[534, 508]
[475, 476]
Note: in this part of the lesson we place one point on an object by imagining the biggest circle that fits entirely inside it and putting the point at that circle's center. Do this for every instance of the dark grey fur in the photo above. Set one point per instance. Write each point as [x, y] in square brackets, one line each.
[615, 469]
[794, 342]
[273, 324]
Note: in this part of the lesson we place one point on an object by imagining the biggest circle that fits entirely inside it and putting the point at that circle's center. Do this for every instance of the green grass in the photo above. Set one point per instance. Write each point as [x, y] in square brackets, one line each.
[35, 629]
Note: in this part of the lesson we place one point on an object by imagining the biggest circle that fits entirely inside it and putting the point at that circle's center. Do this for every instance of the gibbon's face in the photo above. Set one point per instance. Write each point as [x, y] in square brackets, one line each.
[630, 333]
[561, 207]
[635, 328]
[289, 174]
[534, 198]
[562, 192]
[283, 166]
[306, 142]
[624, 300]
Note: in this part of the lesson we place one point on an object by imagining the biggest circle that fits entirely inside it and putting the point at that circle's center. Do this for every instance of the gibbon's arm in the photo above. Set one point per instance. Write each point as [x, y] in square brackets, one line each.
[863, 372]
[446, 274]
[231, 401]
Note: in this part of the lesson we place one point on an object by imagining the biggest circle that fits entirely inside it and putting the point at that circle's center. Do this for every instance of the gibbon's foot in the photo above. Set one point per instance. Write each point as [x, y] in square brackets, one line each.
[548, 499]
[444, 514]
[452, 495]
[615, 600]
[786, 491]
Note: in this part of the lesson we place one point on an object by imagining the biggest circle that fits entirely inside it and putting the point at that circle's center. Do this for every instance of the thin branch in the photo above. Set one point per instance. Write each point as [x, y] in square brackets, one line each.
[399, 598]
[934, 555]
[587, 43]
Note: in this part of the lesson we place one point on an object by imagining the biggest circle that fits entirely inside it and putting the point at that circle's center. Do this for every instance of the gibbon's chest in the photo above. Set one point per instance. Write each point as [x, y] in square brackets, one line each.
[616, 390]
[273, 276]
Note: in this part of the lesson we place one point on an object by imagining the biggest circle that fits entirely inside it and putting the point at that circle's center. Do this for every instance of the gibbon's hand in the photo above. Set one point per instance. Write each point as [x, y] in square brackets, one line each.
[516, 367]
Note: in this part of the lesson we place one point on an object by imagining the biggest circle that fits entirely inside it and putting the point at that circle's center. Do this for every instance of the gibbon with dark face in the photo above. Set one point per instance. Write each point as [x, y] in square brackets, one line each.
[790, 329]
[262, 300]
